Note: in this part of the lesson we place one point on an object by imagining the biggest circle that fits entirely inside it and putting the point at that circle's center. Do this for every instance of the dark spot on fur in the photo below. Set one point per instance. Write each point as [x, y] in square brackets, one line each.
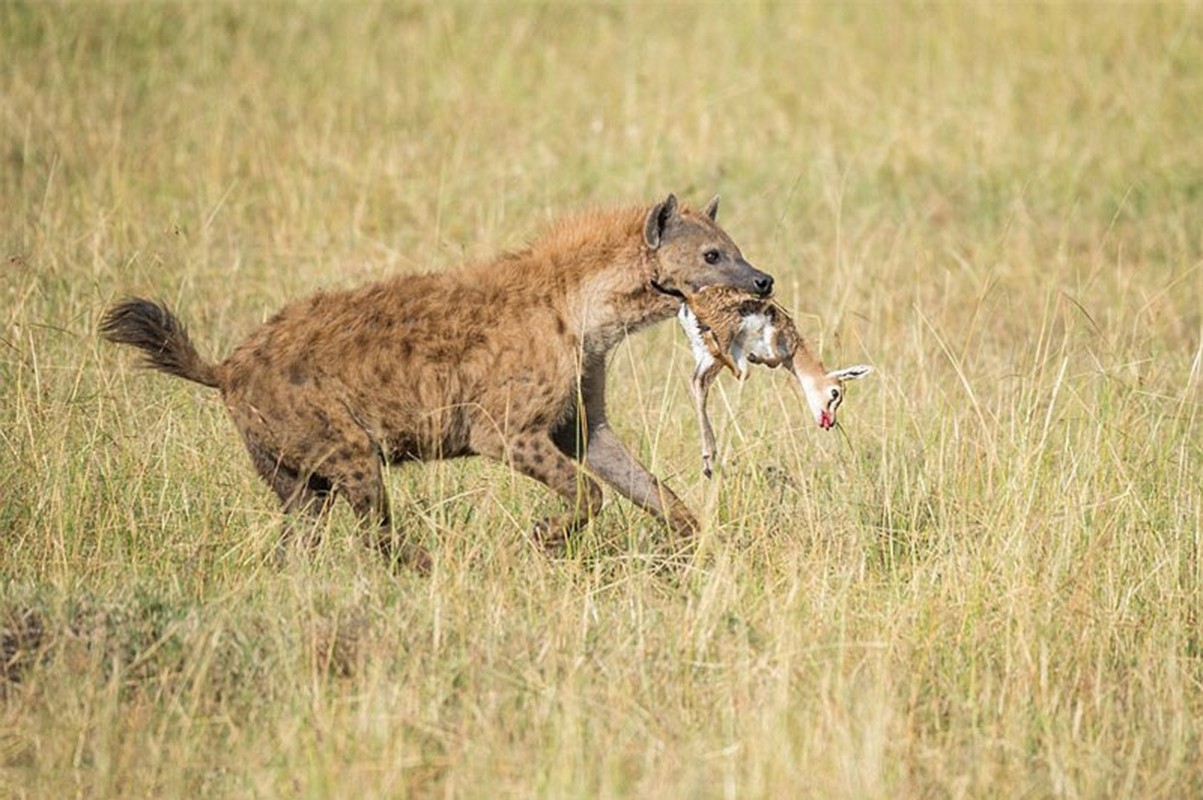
[447, 352]
[538, 458]
[384, 373]
[295, 376]
[357, 475]
[561, 326]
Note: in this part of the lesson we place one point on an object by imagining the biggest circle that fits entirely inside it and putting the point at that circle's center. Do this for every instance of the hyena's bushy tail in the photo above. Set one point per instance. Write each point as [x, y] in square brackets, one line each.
[154, 330]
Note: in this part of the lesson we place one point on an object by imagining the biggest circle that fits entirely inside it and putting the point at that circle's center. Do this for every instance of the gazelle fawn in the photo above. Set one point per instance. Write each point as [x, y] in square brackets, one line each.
[731, 328]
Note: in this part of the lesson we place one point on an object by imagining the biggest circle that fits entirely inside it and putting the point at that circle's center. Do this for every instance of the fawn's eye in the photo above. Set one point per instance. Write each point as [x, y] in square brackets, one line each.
[835, 394]
[712, 256]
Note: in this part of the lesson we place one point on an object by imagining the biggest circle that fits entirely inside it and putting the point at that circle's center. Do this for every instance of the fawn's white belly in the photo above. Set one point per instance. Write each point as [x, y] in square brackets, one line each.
[754, 338]
[693, 330]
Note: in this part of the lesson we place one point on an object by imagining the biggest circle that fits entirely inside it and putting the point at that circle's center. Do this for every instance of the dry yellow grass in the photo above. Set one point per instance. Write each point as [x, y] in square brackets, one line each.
[989, 587]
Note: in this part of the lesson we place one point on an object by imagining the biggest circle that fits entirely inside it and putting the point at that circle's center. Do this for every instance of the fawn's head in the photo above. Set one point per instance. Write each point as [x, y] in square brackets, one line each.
[690, 252]
[824, 391]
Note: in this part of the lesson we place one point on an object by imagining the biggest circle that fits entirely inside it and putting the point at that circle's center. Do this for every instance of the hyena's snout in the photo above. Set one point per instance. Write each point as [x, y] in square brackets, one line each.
[751, 280]
[735, 274]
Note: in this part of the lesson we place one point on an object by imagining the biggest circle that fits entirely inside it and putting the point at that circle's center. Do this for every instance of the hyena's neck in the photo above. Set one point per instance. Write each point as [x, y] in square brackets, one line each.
[619, 298]
[603, 272]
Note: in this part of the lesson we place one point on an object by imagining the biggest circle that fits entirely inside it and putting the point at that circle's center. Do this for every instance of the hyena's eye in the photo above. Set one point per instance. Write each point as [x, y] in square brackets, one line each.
[712, 256]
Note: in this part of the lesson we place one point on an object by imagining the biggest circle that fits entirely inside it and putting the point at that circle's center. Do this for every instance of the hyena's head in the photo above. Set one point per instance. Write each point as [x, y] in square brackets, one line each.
[692, 252]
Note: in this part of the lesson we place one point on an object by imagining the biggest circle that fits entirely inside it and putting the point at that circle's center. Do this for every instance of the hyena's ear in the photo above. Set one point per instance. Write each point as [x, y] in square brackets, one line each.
[658, 219]
[711, 209]
[850, 373]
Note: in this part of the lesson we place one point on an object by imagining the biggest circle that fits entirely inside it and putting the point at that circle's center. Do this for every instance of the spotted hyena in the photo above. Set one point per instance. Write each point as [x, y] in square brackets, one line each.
[504, 359]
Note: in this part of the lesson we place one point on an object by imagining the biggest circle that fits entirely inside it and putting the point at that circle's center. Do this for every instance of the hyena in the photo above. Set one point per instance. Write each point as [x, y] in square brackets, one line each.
[728, 327]
[504, 359]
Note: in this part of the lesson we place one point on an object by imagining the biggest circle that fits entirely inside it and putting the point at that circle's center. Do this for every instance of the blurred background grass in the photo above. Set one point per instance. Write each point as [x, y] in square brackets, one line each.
[989, 586]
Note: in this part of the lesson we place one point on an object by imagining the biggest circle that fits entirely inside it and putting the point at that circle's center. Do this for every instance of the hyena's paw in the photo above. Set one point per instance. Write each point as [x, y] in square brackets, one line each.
[551, 534]
[415, 557]
[402, 553]
[685, 526]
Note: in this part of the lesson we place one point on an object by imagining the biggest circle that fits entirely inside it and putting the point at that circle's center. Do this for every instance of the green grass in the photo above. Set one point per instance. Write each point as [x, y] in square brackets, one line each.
[989, 587]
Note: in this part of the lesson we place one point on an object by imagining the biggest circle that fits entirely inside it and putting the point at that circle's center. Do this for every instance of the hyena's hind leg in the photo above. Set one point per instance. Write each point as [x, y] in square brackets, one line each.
[353, 463]
[305, 498]
[355, 469]
[348, 465]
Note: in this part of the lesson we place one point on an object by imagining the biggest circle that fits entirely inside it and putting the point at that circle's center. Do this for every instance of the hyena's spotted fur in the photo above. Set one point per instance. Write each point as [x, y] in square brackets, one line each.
[504, 359]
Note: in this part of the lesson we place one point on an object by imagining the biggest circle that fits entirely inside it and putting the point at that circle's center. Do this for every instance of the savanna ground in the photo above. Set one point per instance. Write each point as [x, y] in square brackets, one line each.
[989, 586]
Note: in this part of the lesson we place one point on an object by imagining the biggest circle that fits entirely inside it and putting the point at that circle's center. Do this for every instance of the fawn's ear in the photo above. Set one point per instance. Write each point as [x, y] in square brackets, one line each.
[658, 219]
[850, 373]
[711, 209]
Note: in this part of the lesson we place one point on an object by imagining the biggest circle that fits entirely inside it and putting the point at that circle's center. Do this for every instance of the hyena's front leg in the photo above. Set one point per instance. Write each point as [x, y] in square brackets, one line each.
[536, 456]
[610, 460]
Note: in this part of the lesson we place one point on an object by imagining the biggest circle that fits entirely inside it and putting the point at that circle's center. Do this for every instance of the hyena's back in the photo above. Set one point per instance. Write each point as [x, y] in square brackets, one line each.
[408, 368]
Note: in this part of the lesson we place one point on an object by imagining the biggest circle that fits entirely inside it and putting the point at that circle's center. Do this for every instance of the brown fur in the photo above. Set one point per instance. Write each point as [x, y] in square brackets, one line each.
[504, 359]
[722, 309]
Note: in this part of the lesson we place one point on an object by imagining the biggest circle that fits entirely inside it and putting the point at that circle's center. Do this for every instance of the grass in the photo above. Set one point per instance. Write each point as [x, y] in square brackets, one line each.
[990, 586]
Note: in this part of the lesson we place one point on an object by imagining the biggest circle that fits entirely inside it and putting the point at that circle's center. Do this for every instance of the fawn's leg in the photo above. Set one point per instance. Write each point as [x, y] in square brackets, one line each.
[700, 386]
